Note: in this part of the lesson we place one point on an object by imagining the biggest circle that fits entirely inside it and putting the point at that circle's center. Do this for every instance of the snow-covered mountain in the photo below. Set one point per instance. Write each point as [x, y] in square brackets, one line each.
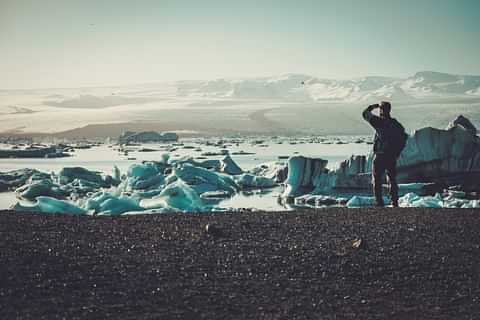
[425, 84]
[435, 83]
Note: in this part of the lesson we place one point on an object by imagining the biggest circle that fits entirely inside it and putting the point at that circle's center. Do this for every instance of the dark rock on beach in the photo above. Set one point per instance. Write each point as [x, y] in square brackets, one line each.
[315, 264]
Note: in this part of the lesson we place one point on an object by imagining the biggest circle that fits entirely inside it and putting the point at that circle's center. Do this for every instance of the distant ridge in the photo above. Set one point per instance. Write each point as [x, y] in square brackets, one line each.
[424, 84]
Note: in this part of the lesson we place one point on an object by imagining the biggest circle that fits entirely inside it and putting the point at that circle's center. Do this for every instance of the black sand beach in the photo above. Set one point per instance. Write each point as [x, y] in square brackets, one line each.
[410, 264]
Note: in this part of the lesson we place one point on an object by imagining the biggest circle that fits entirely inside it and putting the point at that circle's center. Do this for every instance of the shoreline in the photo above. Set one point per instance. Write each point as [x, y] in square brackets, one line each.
[411, 263]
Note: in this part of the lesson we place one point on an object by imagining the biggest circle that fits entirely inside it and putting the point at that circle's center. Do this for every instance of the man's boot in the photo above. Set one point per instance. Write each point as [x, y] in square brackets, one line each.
[377, 191]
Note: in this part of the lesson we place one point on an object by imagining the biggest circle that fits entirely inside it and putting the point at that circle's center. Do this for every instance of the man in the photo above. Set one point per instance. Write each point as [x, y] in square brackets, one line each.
[390, 138]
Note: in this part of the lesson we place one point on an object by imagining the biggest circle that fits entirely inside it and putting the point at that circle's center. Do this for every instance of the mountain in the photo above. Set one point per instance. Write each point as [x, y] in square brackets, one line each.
[429, 82]
[424, 84]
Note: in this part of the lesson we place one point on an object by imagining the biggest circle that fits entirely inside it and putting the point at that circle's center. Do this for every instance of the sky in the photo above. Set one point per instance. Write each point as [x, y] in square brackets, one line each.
[67, 43]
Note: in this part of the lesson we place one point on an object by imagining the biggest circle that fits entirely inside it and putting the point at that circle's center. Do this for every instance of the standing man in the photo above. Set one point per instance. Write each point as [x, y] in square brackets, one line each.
[390, 139]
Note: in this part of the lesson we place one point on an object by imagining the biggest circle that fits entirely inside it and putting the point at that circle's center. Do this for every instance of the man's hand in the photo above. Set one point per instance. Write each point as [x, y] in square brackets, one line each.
[370, 117]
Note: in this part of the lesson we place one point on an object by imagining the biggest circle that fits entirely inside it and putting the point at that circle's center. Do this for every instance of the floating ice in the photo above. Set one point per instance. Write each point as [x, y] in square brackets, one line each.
[228, 166]
[147, 136]
[108, 204]
[275, 170]
[50, 205]
[116, 173]
[69, 174]
[16, 178]
[317, 200]
[419, 188]
[40, 188]
[363, 201]
[177, 196]
[207, 164]
[203, 180]
[247, 180]
[472, 204]
[414, 200]
[143, 170]
[302, 173]
[145, 176]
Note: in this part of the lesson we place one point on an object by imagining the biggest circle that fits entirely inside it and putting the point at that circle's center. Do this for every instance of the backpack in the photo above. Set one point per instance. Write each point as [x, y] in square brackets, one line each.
[394, 137]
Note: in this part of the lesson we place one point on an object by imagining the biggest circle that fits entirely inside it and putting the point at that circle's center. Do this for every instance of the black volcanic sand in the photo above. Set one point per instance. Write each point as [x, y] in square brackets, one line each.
[411, 264]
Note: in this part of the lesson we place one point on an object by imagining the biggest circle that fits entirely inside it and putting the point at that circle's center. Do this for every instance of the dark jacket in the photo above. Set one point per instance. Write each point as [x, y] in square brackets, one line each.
[382, 127]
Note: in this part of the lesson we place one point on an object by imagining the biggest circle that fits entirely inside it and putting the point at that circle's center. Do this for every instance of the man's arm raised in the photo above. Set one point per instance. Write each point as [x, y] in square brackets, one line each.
[370, 117]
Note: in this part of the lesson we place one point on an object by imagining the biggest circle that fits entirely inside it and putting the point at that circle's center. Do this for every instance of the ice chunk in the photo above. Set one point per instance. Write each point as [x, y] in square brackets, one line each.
[142, 171]
[203, 180]
[445, 156]
[147, 136]
[228, 166]
[472, 204]
[302, 172]
[176, 196]
[153, 181]
[69, 174]
[116, 206]
[108, 204]
[215, 195]
[248, 180]
[50, 205]
[324, 182]
[207, 164]
[145, 176]
[413, 200]
[363, 201]
[275, 170]
[17, 178]
[116, 174]
[40, 188]
[420, 188]
[315, 200]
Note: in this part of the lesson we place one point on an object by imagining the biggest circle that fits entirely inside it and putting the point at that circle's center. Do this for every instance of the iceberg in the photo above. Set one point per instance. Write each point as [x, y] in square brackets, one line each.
[177, 196]
[432, 157]
[17, 178]
[40, 188]
[105, 203]
[50, 205]
[69, 174]
[414, 200]
[203, 180]
[363, 201]
[275, 170]
[207, 164]
[302, 173]
[248, 181]
[146, 175]
[317, 200]
[228, 166]
[116, 206]
[447, 157]
[142, 171]
[147, 136]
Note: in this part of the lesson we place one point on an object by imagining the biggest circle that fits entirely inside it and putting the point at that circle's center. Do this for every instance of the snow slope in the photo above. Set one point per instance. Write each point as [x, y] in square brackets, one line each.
[308, 88]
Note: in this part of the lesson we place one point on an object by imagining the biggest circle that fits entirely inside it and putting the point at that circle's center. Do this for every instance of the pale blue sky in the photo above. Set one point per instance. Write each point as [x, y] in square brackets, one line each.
[66, 43]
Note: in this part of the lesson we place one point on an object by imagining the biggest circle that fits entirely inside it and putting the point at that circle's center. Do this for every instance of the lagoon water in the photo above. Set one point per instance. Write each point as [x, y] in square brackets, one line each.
[104, 157]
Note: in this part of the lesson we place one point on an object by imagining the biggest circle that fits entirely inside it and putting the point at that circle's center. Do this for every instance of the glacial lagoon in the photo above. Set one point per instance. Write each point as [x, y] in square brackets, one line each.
[246, 152]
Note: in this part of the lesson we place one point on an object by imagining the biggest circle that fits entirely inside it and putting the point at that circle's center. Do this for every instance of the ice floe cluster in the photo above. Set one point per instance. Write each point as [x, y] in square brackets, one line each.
[438, 168]
[433, 160]
[148, 187]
